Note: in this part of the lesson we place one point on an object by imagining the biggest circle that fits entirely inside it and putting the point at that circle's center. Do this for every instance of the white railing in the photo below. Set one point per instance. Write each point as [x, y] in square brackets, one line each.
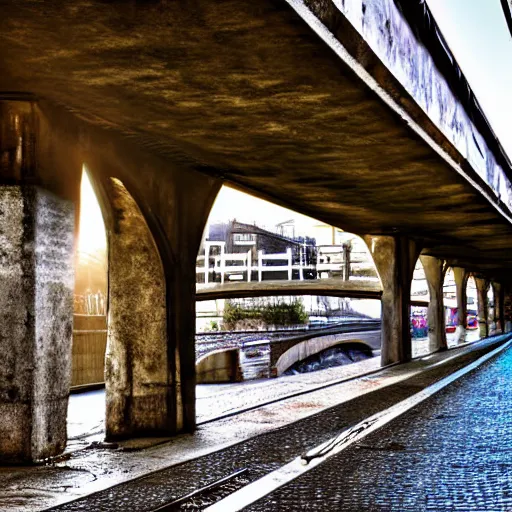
[222, 267]
[286, 256]
[243, 270]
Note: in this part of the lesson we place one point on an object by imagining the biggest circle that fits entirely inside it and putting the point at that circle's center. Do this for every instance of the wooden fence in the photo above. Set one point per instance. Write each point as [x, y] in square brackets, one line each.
[89, 345]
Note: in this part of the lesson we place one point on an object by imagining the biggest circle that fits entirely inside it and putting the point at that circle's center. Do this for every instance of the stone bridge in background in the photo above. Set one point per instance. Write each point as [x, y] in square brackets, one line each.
[354, 113]
[286, 353]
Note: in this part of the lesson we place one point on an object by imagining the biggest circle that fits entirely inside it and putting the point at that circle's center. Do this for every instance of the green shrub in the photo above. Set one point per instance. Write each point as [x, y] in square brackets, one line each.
[280, 314]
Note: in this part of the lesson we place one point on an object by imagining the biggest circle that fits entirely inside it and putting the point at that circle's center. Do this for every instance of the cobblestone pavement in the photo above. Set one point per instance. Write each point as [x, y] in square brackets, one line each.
[451, 453]
[263, 453]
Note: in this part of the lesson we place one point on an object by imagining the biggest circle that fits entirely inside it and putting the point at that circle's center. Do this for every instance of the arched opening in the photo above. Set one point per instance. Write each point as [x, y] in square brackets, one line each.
[86, 417]
[269, 278]
[450, 307]
[472, 326]
[250, 240]
[121, 341]
[419, 311]
[295, 361]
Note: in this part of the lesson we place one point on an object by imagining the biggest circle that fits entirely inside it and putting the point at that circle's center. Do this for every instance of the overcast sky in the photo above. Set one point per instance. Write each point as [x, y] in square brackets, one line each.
[477, 34]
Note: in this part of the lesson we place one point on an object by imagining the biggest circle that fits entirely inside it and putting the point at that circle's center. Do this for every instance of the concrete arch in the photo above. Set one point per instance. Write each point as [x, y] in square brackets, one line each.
[247, 251]
[456, 303]
[136, 373]
[312, 346]
[420, 292]
[219, 366]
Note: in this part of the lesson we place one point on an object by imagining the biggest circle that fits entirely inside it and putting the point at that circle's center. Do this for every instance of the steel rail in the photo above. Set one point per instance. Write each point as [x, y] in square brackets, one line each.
[174, 505]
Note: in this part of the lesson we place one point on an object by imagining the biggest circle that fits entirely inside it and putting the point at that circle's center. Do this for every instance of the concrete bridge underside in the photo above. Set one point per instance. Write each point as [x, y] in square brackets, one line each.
[246, 91]
[165, 102]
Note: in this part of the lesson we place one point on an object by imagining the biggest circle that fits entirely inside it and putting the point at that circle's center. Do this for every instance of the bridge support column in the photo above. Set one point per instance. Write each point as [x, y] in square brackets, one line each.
[499, 310]
[395, 258]
[136, 377]
[155, 225]
[434, 273]
[507, 310]
[39, 184]
[460, 276]
[192, 196]
[483, 309]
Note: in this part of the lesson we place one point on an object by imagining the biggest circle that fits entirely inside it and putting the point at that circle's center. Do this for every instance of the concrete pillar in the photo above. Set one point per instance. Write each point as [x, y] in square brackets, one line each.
[460, 277]
[39, 184]
[507, 310]
[347, 249]
[136, 376]
[155, 228]
[434, 273]
[395, 258]
[483, 310]
[498, 307]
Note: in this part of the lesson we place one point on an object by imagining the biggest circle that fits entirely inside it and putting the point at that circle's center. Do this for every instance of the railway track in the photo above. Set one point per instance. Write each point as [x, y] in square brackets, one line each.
[205, 337]
[208, 494]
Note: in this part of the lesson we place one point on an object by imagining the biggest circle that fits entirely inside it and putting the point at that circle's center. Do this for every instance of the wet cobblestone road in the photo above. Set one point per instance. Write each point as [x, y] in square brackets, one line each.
[261, 454]
[451, 453]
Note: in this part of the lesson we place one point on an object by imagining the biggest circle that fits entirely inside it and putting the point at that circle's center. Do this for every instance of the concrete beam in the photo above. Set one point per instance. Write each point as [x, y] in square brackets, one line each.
[332, 286]
[315, 139]
[395, 258]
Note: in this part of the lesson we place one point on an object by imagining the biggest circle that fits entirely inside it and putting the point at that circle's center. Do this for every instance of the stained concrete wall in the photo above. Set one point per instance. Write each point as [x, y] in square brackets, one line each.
[36, 321]
[174, 203]
[395, 258]
[39, 186]
[434, 273]
[136, 374]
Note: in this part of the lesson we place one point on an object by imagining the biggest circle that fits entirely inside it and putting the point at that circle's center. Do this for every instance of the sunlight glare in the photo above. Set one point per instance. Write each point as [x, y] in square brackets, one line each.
[92, 237]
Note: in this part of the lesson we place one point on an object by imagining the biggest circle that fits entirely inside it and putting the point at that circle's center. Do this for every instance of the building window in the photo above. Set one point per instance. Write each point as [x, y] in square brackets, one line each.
[244, 238]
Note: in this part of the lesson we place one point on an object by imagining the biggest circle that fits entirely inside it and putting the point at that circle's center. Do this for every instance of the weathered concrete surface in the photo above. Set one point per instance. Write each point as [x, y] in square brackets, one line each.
[331, 286]
[483, 306]
[219, 366]
[461, 279]
[395, 258]
[174, 202]
[95, 469]
[395, 43]
[136, 377]
[498, 306]
[39, 183]
[281, 361]
[434, 273]
[36, 321]
[249, 92]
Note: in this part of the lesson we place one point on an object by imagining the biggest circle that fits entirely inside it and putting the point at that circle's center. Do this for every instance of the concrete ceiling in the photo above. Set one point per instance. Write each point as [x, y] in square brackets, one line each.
[246, 90]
